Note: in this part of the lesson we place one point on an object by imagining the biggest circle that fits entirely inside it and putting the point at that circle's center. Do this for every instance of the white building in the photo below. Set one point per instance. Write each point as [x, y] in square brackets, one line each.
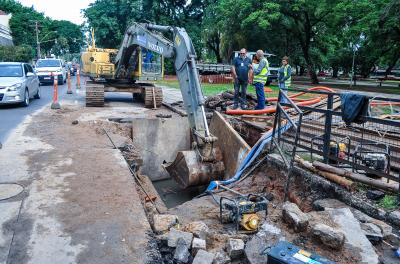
[5, 32]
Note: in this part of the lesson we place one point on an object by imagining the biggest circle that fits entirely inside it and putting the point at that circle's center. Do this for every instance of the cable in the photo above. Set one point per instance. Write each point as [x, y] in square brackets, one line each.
[134, 175]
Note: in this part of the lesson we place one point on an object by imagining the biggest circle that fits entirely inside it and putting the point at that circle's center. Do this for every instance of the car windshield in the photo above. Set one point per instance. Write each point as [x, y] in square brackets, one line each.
[10, 71]
[48, 63]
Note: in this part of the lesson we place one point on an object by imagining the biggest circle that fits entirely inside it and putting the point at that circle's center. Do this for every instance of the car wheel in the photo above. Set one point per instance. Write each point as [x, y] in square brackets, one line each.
[26, 98]
[37, 95]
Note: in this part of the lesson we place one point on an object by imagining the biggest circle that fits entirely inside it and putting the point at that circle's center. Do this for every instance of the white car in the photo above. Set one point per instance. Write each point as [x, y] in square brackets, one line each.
[47, 69]
[18, 83]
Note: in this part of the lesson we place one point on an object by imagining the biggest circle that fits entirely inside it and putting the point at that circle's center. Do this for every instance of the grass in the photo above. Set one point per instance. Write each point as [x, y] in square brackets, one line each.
[210, 89]
[389, 202]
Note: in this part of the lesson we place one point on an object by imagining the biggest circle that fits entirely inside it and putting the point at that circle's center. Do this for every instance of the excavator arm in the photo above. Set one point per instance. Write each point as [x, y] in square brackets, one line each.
[184, 55]
[188, 168]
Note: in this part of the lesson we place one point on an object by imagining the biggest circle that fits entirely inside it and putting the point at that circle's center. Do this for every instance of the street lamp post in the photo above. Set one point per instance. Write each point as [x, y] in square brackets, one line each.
[352, 67]
[37, 39]
[41, 41]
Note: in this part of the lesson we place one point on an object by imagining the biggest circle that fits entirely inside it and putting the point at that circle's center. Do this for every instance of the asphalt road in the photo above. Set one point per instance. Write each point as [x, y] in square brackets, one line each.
[12, 115]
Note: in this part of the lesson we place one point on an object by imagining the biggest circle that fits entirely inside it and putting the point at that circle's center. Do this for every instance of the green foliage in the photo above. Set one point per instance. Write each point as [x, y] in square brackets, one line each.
[389, 202]
[315, 34]
[21, 53]
[22, 25]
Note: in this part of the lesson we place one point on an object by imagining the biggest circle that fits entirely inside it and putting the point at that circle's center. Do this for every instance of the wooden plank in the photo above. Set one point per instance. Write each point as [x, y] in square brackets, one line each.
[174, 109]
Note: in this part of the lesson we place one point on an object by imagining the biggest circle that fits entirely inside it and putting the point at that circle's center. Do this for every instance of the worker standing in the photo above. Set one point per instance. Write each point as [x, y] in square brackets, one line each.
[241, 69]
[260, 78]
[285, 77]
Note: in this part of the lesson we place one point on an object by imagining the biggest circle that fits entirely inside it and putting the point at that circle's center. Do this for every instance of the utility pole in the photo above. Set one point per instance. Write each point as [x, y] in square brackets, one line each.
[37, 39]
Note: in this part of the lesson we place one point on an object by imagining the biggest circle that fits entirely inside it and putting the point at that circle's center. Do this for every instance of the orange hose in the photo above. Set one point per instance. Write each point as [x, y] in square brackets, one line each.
[272, 109]
[300, 102]
[374, 103]
[268, 110]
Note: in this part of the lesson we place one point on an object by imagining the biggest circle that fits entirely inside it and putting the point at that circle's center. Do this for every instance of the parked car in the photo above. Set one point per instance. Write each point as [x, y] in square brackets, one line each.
[47, 69]
[18, 83]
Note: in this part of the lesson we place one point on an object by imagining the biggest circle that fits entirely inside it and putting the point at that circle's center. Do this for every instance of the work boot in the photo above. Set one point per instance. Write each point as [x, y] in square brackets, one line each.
[235, 106]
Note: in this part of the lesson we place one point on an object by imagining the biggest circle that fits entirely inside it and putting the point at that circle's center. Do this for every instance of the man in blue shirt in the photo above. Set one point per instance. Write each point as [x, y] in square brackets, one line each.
[240, 71]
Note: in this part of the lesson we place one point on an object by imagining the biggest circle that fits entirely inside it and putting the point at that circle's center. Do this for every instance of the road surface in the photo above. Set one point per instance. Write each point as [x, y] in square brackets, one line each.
[12, 115]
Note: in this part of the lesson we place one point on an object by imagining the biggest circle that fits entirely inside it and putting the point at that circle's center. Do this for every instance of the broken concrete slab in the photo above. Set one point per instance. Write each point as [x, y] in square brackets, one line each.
[198, 243]
[394, 217]
[355, 239]
[267, 236]
[182, 253]
[324, 204]
[159, 140]
[197, 228]
[235, 248]
[372, 232]
[375, 194]
[329, 236]
[175, 234]
[221, 258]
[234, 148]
[294, 216]
[162, 223]
[203, 257]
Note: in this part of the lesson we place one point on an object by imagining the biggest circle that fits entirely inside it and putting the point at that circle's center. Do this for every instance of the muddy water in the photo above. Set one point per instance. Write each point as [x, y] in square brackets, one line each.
[173, 195]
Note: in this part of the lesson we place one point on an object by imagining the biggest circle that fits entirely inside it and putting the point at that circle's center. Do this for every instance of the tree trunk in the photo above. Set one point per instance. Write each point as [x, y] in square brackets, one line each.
[302, 70]
[391, 66]
[305, 46]
[310, 66]
[214, 43]
[335, 71]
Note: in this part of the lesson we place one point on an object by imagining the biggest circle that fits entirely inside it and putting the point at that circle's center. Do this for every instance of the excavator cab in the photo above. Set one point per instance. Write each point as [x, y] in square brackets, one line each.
[152, 65]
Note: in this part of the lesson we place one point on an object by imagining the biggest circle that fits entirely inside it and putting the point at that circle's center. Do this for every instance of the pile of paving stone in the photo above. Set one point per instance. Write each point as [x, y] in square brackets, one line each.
[188, 243]
[223, 100]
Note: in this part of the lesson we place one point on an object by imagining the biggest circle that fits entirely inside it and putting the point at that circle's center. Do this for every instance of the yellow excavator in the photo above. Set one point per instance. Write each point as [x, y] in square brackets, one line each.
[141, 58]
[133, 77]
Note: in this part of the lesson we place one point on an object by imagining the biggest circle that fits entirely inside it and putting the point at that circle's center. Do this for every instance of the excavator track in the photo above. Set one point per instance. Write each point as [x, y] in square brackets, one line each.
[147, 94]
[94, 94]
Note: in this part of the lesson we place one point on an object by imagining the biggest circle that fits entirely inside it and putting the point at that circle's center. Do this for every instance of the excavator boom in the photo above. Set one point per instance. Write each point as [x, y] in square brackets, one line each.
[181, 50]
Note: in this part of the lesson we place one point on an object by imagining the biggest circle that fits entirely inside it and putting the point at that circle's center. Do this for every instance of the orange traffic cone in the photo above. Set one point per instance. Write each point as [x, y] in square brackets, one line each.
[69, 90]
[78, 79]
[55, 104]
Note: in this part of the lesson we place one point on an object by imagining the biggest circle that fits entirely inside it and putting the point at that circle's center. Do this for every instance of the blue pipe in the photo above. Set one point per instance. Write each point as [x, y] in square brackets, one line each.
[253, 154]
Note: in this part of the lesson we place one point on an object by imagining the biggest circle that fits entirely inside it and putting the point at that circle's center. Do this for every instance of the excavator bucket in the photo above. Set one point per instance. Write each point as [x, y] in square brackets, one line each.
[188, 170]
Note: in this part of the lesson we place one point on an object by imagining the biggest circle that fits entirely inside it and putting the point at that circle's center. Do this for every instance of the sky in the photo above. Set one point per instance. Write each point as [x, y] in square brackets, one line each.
[60, 9]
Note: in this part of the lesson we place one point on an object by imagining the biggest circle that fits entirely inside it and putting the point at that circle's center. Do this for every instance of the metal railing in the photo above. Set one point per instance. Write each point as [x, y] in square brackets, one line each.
[371, 147]
[284, 122]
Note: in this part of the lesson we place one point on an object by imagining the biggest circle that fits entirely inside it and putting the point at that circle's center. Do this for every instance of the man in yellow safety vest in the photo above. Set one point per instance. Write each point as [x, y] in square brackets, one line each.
[285, 77]
[260, 78]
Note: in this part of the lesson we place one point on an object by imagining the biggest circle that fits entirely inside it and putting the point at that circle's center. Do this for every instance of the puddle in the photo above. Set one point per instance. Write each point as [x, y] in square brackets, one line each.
[173, 195]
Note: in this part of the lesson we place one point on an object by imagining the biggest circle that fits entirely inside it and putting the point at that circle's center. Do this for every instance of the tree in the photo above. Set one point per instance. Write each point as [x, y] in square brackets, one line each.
[22, 25]
[21, 53]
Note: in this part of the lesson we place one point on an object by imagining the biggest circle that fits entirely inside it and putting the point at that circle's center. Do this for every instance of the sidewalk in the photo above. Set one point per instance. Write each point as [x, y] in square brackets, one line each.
[80, 203]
